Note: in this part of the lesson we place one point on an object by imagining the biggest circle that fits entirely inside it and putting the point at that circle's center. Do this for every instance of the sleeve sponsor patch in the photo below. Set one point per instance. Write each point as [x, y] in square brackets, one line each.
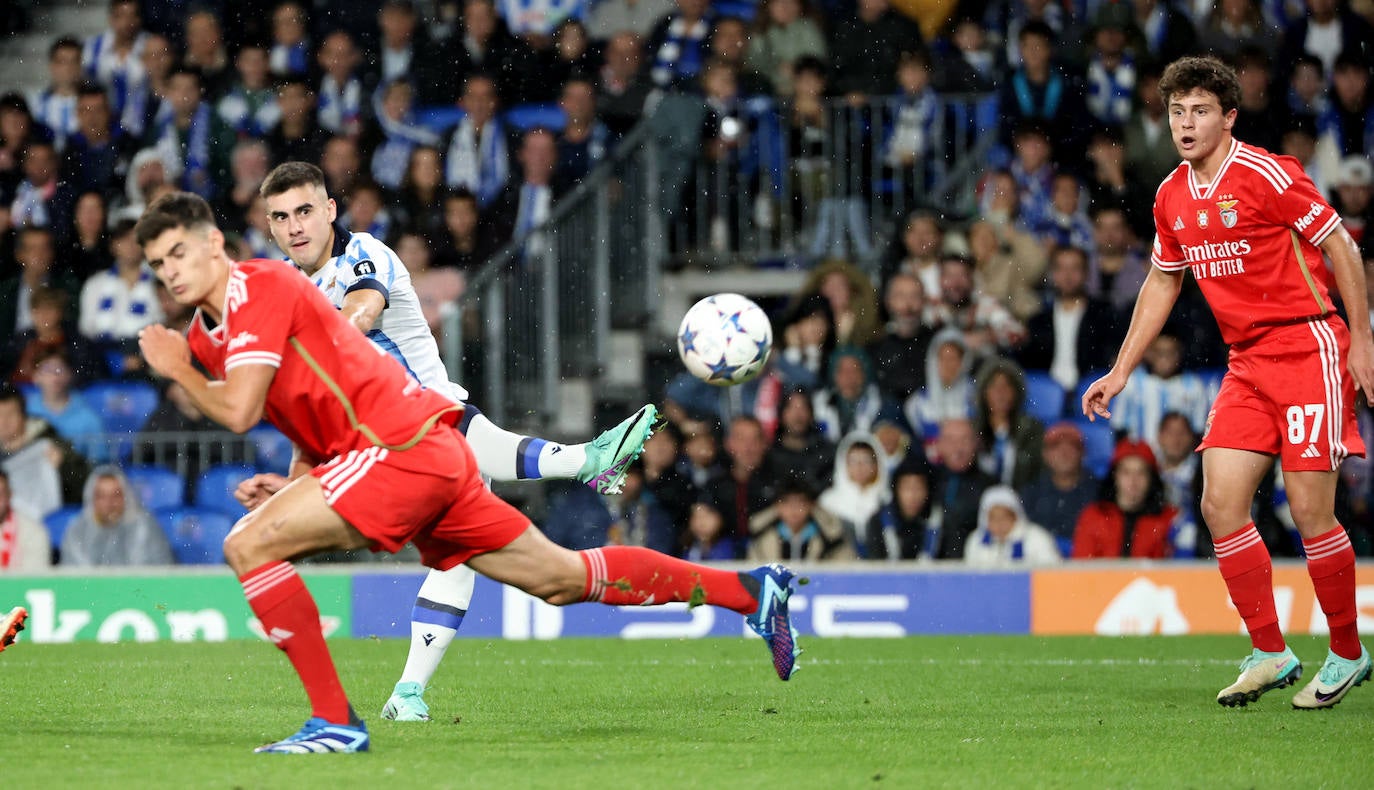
[364, 268]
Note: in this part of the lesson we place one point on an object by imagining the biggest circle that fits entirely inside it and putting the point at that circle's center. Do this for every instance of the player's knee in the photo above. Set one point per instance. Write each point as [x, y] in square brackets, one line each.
[244, 548]
[1222, 515]
[1312, 517]
[236, 553]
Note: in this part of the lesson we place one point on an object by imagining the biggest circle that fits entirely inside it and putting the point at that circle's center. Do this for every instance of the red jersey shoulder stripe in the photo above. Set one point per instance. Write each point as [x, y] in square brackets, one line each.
[1266, 165]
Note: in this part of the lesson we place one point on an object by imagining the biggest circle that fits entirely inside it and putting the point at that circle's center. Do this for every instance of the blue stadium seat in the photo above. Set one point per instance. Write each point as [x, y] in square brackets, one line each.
[1098, 444]
[57, 522]
[215, 488]
[196, 534]
[741, 9]
[1044, 397]
[528, 116]
[123, 405]
[157, 486]
[273, 449]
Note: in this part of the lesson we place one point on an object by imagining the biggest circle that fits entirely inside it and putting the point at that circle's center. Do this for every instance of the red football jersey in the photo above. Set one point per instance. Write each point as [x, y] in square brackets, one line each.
[334, 390]
[1250, 238]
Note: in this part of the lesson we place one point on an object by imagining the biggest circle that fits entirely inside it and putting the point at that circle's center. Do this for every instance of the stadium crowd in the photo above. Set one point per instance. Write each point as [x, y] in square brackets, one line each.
[920, 407]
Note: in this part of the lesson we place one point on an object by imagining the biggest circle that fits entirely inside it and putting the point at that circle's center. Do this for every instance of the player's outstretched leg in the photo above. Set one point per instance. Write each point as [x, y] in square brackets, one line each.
[10, 626]
[439, 608]
[635, 576]
[600, 463]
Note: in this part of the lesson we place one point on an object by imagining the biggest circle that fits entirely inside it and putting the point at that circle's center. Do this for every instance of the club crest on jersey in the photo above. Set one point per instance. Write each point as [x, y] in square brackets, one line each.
[1227, 208]
[1202, 218]
[364, 268]
[1178, 223]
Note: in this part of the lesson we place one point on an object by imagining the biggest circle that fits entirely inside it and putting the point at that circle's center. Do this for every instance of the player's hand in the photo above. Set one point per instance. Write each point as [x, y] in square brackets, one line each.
[1097, 396]
[258, 489]
[164, 349]
[1361, 365]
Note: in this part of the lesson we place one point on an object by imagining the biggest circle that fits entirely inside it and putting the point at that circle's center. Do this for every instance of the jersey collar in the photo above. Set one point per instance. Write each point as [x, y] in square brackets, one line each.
[341, 237]
[1203, 193]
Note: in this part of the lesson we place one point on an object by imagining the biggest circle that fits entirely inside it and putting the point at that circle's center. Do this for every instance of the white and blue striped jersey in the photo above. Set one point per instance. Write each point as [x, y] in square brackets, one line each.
[359, 261]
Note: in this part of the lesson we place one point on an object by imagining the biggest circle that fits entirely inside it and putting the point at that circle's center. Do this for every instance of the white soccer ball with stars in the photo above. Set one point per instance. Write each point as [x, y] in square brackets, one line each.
[725, 339]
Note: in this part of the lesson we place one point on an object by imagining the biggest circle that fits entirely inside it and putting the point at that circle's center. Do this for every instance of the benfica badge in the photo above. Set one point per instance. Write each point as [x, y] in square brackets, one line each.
[1228, 212]
[1202, 218]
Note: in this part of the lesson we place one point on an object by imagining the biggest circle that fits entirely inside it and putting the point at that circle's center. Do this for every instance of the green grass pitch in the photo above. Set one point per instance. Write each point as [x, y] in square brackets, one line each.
[916, 712]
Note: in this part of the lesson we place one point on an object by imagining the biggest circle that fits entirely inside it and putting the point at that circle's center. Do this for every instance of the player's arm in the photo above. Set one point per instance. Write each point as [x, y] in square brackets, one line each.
[1152, 308]
[1348, 267]
[237, 403]
[362, 306]
[260, 487]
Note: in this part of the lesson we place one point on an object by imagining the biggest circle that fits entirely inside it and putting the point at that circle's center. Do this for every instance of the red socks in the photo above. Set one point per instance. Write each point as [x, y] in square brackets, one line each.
[1331, 564]
[292, 621]
[1249, 575]
[636, 576]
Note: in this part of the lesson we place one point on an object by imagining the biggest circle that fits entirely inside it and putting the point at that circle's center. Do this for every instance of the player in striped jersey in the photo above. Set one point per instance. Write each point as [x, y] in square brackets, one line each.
[1251, 228]
[365, 279]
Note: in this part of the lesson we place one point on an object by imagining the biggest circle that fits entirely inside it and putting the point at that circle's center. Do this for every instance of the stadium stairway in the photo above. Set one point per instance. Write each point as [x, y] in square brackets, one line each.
[26, 56]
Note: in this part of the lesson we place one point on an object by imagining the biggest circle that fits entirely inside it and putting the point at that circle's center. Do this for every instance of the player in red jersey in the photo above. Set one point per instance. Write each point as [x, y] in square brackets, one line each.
[1252, 229]
[387, 466]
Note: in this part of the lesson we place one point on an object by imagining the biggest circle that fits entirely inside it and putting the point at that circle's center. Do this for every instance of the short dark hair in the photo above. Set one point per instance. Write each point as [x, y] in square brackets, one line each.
[460, 193]
[122, 228]
[173, 210]
[91, 89]
[65, 42]
[1035, 27]
[1205, 73]
[48, 297]
[289, 175]
[9, 393]
[810, 64]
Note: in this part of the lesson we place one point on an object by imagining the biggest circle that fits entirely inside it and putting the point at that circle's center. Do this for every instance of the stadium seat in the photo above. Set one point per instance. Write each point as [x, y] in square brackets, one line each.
[215, 488]
[123, 405]
[528, 116]
[157, 487]
[196, 534]
[273, 449]
[1099, 442]
[58, 520]
[1044, 397]
[740, 9]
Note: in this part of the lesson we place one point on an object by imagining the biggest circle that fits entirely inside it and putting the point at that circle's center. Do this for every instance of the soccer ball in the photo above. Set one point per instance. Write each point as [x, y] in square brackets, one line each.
[725, 339]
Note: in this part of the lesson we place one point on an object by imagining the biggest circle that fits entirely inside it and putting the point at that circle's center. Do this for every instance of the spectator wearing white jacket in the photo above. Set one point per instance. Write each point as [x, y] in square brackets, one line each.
[1005, 538]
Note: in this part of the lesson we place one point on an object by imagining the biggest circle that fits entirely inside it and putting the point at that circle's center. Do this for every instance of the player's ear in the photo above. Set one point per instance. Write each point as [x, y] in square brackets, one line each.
[216, 238]
[333, 210]
[1229, 119]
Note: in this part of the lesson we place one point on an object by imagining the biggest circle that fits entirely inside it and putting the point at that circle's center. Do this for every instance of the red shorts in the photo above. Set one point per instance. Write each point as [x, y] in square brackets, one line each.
[430, 495]
[1288, 393]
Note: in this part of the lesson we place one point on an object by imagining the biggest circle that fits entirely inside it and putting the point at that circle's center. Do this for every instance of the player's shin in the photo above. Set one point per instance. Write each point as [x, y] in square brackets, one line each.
[1245, 565]
[502, 455]
[439, 608]
[636, 576]
[1331, 564]
[290, 618]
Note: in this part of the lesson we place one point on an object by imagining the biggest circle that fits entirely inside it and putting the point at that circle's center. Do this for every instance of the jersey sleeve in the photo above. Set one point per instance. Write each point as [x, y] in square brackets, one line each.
[368, 263]
[1166, 253]
[258, 318]
[1298, 205]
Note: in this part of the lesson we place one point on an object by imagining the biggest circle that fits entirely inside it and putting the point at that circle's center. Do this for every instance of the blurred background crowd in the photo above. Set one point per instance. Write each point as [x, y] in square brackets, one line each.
[922, 396]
